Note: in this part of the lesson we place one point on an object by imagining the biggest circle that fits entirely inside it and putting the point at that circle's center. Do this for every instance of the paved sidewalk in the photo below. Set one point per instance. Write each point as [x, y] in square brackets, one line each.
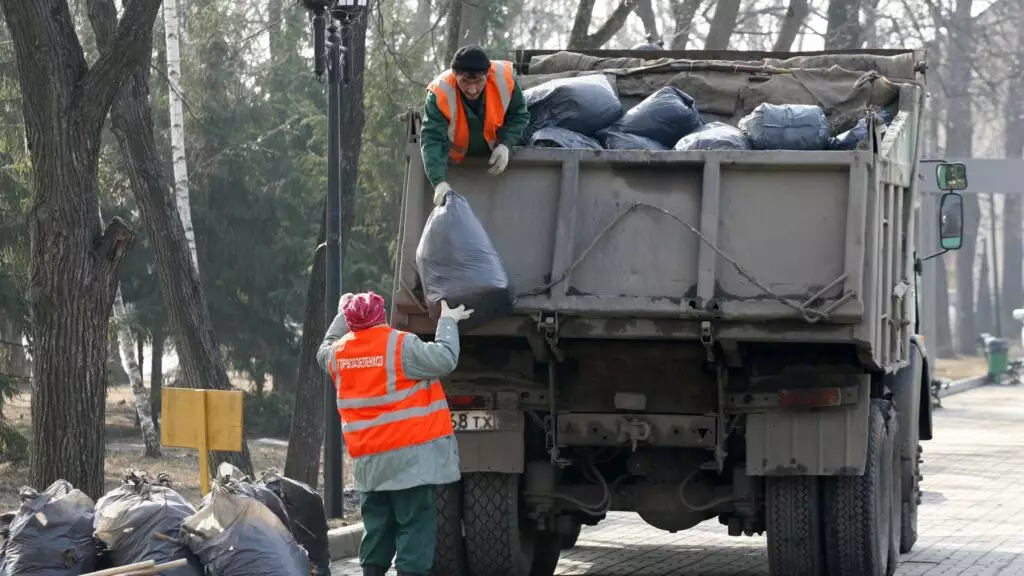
[971, 524]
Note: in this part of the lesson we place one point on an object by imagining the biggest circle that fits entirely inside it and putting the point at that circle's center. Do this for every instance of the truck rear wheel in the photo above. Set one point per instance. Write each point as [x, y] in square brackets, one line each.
[497, 542]
[569, 540]
[450, 550]
[858, 509]
[793, 517]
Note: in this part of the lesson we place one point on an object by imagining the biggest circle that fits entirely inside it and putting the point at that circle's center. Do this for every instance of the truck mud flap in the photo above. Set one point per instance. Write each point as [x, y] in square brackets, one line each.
[494, 450]
[826, 442]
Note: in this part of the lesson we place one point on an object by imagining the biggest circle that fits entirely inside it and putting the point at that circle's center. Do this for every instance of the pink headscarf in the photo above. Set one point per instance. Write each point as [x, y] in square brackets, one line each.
[363, 311]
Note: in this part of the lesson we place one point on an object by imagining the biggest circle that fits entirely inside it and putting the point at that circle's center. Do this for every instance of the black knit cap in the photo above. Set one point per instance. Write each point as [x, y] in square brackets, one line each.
[471, 59]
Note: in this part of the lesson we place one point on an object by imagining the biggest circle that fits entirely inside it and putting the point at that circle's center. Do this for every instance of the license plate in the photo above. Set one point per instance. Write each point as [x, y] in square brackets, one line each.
[474, 421]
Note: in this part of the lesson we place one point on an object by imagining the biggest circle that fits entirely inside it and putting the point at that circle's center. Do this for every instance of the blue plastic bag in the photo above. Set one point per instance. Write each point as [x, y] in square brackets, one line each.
[786, 127]
[665, 117]
[851, 138]
[714, 136]
[584, 104]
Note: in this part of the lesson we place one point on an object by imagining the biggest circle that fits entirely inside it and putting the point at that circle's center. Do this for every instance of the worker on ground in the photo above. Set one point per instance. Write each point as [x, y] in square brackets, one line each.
[474, 109]
[396, 425]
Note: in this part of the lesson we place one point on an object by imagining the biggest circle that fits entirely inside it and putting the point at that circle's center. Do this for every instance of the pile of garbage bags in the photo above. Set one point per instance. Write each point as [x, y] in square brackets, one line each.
[584, 112]
[242, 528]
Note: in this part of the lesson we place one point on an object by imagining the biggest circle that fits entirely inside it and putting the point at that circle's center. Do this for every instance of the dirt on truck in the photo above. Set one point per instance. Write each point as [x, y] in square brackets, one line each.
[697, 334]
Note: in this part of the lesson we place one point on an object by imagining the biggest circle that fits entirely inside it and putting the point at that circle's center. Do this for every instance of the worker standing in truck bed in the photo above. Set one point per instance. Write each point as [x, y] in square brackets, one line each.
[474, 108]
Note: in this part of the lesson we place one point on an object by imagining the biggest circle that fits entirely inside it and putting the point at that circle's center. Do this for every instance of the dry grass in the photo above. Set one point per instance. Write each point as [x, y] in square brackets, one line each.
[125, 452]
[960, 367]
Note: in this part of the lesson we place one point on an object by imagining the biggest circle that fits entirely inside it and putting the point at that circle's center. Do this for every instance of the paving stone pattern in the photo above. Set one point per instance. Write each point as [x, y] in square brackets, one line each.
[971, 523]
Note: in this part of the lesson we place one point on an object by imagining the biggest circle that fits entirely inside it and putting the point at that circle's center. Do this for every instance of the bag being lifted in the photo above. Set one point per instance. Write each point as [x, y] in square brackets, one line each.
[129, 516]
[458, 263]
[51, 534]
[234, 534]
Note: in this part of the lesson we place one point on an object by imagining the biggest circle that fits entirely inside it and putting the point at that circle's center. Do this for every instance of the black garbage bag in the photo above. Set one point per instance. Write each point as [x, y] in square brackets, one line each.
[50, 534]
[786, 127]
[851, 138]
[665, 117]
[457, 262]
[308, 517]
[714, 136]
[554, 137]
[622, 141]
[584, 104]
[128, 516]
[234, 534]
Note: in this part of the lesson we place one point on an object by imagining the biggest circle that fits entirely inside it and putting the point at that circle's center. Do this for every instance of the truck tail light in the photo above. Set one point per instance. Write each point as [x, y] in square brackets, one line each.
[467, 401]
[810, 398]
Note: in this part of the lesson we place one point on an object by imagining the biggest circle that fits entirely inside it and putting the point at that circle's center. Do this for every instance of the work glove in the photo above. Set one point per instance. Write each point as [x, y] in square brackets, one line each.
[440, 191]
[458, 314]
[499, 160]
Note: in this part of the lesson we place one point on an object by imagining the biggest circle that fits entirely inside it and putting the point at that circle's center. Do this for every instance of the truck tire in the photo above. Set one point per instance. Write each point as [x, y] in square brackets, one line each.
[450, 550]
[858, 509]
[793, 522]
[895, 511]
[496, 543]
[569, 540]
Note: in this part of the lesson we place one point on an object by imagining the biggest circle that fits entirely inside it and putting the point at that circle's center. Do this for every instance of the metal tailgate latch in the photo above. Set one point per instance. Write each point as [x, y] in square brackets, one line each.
[634, 431]
[707, 338]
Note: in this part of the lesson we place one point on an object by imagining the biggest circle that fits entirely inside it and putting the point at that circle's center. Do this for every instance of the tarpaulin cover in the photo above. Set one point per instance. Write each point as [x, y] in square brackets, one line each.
[714, 136]
[554, 137]
[51, 534]
[234, 534]
[665, 117]
[583, 105]
[622, 141]
[786, 127]
[308, 517]
[128, 516]
[458, 263]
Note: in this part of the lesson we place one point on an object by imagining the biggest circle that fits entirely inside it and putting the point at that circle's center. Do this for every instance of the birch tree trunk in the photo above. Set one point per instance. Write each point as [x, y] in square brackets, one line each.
[140, 396]
[179, 161]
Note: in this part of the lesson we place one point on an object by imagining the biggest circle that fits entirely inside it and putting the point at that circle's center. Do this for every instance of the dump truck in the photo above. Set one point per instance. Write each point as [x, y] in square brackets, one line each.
[697, 334]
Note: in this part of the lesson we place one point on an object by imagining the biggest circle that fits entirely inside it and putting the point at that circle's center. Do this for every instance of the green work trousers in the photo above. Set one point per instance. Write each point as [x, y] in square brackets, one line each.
[402, 522]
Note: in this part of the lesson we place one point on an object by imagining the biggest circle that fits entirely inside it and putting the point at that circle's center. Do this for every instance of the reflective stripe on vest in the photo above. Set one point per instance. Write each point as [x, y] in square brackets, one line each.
[499, 88]
[381, 409]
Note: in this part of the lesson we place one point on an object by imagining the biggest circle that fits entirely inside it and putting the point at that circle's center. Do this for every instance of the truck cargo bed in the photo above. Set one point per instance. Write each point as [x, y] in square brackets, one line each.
[756, 246]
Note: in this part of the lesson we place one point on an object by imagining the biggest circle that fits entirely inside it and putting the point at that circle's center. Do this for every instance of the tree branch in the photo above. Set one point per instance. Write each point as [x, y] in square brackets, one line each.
[121, 52]
[116, 242]
[579, 39]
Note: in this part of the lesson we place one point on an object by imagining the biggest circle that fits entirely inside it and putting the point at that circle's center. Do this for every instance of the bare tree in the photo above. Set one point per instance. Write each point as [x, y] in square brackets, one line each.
[580, 37]
[843, 31]
[796, 14]
[683, 12]
[74, 265]
[723, 24]
[132, 123]
[645, 10]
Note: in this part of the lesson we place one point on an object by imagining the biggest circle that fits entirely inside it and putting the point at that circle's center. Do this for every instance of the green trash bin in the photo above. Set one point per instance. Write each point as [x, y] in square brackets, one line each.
[997, 355]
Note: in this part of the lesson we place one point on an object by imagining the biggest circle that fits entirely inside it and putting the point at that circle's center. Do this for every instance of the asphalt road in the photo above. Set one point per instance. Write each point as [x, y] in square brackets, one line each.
[971, 523]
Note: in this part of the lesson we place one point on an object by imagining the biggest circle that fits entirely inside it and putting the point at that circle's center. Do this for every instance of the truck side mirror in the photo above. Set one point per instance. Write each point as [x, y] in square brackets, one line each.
[951, 176]
[951, 221]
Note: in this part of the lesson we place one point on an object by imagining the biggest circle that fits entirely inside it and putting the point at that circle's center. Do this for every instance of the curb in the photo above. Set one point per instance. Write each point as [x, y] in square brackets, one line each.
[960, 386]
[344, 542]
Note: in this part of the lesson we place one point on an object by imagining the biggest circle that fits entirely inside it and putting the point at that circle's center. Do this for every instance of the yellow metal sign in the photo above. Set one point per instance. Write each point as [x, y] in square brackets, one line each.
[204, 420]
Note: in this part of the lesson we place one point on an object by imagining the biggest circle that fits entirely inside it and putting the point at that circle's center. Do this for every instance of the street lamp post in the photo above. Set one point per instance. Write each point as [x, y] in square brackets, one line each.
[329, 50]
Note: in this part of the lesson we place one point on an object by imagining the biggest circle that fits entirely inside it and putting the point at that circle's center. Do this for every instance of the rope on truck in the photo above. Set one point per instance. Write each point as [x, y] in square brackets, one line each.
[809, 315]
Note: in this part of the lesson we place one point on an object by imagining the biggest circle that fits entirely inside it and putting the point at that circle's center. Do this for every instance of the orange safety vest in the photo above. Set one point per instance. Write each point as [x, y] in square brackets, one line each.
[500, 85]
[381, 409]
